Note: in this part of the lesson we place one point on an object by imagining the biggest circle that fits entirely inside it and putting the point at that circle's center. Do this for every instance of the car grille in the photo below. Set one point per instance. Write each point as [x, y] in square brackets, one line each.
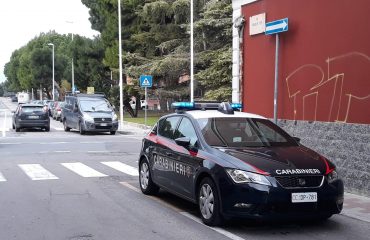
[102, 120]
[300, 181]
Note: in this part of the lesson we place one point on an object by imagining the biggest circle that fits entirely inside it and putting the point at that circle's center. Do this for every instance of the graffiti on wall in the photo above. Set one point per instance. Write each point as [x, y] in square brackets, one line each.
[340, 93]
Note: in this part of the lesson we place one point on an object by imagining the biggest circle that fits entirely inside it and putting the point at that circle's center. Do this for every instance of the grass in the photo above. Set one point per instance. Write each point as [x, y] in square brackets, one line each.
[152, 117]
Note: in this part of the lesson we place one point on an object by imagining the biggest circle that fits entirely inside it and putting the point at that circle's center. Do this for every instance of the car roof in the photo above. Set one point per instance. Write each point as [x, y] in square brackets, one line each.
[198, 114]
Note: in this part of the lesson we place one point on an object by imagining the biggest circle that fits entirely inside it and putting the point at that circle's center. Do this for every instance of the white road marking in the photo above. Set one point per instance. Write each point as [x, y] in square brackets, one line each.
[10, 143]
[122, 168]
[217, 229]
[83, 170]
[44, 143]
[186, 214]
[126, 184]
[59, 129]
[2, 178]
[37, 172]
[62, 151]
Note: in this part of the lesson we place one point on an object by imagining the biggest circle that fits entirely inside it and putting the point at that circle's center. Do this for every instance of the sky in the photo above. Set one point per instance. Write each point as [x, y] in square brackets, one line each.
[23, 20]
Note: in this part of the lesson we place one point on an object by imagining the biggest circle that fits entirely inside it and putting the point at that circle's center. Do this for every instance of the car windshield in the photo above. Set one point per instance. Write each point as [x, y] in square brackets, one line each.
[99, 105]
[243, 132]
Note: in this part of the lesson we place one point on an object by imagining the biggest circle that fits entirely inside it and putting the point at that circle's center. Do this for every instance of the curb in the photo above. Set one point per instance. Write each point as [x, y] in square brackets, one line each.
[137, 125]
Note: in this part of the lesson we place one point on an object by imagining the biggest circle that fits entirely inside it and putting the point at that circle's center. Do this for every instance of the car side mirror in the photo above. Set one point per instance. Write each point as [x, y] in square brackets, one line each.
[297, 139]
[183, 141]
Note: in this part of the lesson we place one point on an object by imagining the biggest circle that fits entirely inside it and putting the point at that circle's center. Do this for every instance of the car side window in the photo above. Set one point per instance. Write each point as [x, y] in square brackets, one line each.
[167, 127]
[186, 129]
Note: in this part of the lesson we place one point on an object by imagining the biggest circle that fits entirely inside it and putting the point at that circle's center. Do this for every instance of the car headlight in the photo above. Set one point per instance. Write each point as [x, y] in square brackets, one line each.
[88, 118]
[332, 176]
[115, 117]
[239, 176]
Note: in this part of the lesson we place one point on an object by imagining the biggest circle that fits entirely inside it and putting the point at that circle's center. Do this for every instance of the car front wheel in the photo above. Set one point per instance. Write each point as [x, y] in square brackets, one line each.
[208, 202]
[66, 128]
[147, 185]
[82, 132]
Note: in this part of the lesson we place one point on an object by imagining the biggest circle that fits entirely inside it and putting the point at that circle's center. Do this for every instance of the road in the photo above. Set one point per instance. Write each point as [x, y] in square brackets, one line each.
[61, 185]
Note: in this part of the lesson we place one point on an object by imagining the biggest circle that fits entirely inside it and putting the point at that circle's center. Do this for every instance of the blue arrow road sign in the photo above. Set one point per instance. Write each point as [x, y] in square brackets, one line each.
[277, 26]
[146, 81]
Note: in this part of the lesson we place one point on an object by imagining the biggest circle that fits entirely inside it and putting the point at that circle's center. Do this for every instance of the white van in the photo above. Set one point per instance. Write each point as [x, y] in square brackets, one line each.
[23, 97]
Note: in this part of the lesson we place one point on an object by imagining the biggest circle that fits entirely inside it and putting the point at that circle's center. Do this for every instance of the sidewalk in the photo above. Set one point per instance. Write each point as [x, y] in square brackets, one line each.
[130, 128]
[357, 207]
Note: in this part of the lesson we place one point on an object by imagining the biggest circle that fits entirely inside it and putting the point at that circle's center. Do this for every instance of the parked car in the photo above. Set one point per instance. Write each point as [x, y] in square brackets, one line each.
[31, 116]
[50, 104]
[14, 99]
[89, 113]
[57, 111]
[237, 164]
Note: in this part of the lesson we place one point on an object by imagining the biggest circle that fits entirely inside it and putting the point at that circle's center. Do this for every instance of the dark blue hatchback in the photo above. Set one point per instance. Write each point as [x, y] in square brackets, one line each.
[234, 164]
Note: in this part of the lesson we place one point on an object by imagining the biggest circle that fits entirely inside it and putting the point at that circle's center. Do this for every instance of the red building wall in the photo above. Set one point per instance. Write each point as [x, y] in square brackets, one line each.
[324, 66]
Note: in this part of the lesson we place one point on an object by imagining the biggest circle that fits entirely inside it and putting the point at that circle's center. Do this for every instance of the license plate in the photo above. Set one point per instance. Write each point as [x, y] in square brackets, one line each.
[304, 197]
[103, 124]
[33, 117]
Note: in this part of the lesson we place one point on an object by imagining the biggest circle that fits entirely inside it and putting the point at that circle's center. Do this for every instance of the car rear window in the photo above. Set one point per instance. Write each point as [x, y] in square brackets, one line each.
[27, 109]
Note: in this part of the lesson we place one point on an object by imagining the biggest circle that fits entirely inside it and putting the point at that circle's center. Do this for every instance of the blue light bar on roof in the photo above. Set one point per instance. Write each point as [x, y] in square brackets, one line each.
[183, 105]
[236, 106]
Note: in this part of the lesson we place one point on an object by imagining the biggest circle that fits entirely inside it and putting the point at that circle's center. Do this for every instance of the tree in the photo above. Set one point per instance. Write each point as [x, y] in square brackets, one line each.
[31, 66]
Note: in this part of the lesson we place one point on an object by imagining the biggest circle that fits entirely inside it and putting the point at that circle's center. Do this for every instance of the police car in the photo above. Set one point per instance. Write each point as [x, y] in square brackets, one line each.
[236, 164]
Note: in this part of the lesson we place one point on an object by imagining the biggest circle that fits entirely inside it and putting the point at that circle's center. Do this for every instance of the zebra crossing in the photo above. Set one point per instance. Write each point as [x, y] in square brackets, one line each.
[37, 172]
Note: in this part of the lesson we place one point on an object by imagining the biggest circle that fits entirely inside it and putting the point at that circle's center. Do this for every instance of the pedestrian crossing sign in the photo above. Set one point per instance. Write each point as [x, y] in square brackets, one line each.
[146, 81]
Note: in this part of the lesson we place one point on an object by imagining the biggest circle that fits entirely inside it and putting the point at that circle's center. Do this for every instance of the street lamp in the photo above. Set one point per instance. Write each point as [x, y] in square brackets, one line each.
[51, 44]
[120, 66]
[191, 51]
[73, 71]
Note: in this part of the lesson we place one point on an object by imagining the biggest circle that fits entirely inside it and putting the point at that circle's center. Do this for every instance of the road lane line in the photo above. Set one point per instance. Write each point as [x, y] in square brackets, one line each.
[83, 170]
[2, 178]
[122, 168]
[217, 229]
[185, 214]
[46, 143]
[10, 143]
[37, 172]
[62, 151]
[126, 184]
[158, 200]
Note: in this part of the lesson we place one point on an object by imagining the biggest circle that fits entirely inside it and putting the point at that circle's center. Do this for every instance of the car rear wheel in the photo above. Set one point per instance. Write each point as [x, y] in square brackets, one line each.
[112, 132]
[66, 128]
[208, 202]
[147, 186]
[47, 129]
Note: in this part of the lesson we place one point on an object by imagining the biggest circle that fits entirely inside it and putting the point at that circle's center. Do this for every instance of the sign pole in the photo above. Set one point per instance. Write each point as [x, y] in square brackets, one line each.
[276, 27]
[145, 106]
[276, 77]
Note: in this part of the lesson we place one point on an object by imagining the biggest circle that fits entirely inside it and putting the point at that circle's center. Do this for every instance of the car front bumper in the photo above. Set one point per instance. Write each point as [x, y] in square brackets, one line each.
[258, 201]
[100, 127]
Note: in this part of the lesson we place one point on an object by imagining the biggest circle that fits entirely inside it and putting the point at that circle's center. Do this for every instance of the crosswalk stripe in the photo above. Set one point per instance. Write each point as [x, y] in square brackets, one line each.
[37, 172]
[2, 178]
[83, 170]
[122, 168]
